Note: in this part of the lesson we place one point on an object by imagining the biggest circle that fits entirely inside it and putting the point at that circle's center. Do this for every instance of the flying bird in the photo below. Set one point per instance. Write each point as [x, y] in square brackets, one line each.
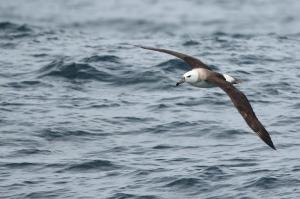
[202, 76]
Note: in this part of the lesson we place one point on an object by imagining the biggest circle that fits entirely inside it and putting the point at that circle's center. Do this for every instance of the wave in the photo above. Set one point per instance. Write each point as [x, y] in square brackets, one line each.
[188, 183]
[133, 119]
[127, 75]
[213, 173]
[162, 146]
[168, 127]
[88, 165]
[13, 27]
[63, 134]
[228, 134]
[233, 35]
[173, 65]
[32, 151]
[26, 84]
[102, 58]
[19, 165]
[178, 66]
[159, 107]
[59, 68]
[132, 196]
[191, 43]
[213, 170]
[265, 183]
[107, 105]
[10, 30]
[157, 79]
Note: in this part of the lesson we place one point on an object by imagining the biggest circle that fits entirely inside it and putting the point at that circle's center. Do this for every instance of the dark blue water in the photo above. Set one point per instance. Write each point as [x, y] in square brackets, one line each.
[84, 114]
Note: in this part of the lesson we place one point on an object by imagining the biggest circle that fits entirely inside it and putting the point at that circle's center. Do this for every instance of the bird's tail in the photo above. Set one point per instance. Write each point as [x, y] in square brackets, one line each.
[231, 79]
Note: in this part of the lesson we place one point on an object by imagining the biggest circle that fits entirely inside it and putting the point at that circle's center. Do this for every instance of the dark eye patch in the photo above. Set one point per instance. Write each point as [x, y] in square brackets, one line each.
[188, 76]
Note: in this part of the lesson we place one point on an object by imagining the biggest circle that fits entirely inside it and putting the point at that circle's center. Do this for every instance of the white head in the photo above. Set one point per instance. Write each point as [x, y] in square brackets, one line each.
[190, 77]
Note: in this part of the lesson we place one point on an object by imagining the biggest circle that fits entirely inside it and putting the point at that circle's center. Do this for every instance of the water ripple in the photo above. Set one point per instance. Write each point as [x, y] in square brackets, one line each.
[59, 68]
[270, 182]
[10, 30]
[189, 183]
[102, 58]
[93, 165]
[64, 134]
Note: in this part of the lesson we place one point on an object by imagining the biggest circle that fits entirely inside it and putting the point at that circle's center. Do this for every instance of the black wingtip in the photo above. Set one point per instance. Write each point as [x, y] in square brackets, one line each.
[266, 138]
[270, 144]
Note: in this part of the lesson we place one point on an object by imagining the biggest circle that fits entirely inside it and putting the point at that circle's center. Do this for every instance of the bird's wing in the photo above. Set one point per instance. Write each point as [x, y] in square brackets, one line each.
[242, 104]
[192, 61]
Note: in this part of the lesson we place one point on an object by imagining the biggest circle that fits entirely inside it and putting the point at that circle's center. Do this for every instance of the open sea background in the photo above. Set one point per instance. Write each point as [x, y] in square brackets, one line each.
[84, 114]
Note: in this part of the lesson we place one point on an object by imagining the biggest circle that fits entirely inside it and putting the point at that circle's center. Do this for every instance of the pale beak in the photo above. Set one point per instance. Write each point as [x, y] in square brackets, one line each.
[182, 80]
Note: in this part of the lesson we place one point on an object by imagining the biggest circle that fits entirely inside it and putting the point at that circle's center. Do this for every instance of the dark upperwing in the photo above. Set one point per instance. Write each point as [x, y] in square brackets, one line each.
[242, 104]
[192, 61]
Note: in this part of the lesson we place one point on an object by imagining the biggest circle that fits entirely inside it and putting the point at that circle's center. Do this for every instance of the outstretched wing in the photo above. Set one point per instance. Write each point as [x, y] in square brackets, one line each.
[241, 102]
[192, 61]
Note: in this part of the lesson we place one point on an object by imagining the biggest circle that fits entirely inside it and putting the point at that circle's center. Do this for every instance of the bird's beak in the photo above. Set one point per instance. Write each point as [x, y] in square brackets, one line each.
[182, 80]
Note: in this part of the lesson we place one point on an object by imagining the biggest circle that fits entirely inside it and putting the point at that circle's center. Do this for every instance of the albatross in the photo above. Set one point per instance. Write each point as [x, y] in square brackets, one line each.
[202, 76]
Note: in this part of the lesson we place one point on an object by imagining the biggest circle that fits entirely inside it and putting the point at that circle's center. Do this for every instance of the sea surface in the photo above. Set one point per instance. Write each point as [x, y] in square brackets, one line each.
[85, 114]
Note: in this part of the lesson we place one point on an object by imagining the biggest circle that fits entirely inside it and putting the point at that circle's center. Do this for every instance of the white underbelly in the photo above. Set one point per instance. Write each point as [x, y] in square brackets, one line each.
[203, 84]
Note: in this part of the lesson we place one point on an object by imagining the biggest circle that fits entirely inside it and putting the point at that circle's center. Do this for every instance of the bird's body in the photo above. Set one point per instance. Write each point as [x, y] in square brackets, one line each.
[203, 84]
[202, 76]
[198, 78]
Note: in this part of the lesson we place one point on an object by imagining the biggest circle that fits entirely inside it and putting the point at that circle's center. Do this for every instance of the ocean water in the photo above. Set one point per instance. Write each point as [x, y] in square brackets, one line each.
[85, 114]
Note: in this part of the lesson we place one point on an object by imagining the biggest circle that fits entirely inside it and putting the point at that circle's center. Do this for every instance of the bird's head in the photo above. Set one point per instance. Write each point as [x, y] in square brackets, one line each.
[189, 77]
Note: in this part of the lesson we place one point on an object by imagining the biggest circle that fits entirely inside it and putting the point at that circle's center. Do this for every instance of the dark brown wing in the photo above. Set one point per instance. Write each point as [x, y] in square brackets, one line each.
[241, 102]
[193, 62]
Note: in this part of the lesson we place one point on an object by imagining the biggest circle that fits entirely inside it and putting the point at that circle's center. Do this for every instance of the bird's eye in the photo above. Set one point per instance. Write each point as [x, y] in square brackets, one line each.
[188, 76]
